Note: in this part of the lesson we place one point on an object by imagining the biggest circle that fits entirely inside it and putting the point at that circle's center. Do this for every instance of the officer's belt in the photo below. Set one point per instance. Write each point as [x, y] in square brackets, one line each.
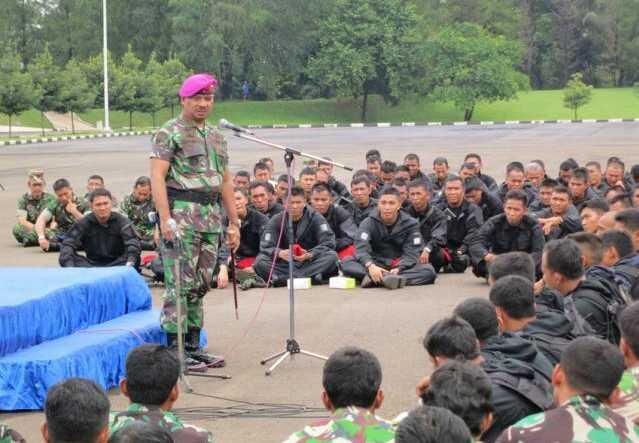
[199, 197]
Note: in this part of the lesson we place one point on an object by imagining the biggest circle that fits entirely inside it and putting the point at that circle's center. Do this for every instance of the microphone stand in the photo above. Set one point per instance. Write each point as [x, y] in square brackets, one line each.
[292, 346]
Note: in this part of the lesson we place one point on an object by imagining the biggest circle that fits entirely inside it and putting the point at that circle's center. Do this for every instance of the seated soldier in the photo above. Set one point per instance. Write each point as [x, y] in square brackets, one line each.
[490, 182]
[463, 222]
[464, 389]
[563, 271]
[106, 237]
[363, 205]
[387, 248]
[516, 392]
[565, 171]
[136, 207]
[281, 189]
[584, 383]
[475, 192]
[338, 218]
[516, 179]
[260, 193]
[432, 223]
[76, 410]
[595, 178]
[313, 252]
[590, 214]
[628, 220]
[615, 174]
[561, 218]
[8, 435]
[613, 192]
[618, 253]
[337, 188]
[252, 226]
[242, 179]
[389, 169]
[514, 230]
[440, 174]
[261, 172]
[412, 162]
[620, 203]
[628, 402]
[481, 315]
[352, 379]
[402, 188]
[30, 205]
[580, 189]
[141, 431]
[61, 213]
[535, 174]
[151, 385]
[308, 177]
[546, 188]
[374, 166]
[429, 424]
[403, 172]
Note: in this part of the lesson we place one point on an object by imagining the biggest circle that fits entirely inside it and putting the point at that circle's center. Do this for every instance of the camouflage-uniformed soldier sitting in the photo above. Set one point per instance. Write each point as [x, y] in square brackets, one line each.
[61, 213]
[8, 435]
[584, 382]
[628, 402]
[352, 380]
[137, 206]
[30, 206]
[151, 385]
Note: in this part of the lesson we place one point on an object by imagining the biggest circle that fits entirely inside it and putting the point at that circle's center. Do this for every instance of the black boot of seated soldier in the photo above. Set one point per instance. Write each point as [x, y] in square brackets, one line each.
[194, 350]
[190, 363]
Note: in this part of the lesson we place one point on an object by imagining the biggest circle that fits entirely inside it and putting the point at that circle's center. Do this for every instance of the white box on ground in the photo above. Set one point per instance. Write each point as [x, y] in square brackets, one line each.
[300, 283]
[341, 283]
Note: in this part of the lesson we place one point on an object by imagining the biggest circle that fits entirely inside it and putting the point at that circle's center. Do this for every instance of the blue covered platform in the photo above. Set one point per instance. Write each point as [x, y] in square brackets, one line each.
[42, 304]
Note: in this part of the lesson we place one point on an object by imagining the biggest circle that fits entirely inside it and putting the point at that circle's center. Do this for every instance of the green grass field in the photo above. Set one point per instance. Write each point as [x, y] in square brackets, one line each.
[533, 105]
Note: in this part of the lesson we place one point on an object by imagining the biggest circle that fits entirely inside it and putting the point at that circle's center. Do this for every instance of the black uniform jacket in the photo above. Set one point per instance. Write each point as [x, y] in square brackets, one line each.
[432, 225]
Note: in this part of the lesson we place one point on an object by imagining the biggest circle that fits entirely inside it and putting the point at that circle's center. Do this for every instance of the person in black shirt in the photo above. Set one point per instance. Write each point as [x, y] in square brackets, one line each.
[411, 161]
[338, 218]
[107, 237]
[363, 205]
[491, 183]
[261, 192]
[476, 192]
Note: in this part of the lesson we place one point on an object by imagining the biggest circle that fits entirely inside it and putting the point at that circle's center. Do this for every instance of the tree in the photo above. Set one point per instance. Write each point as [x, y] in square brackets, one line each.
[469, 65]
[577, 93]
[17, 91]
[126, 84]
[369, 47]
[173, 74]
[150, 92]
[46, 77]
[76, 95]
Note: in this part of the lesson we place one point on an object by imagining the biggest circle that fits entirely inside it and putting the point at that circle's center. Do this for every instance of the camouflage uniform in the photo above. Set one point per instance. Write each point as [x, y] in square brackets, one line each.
[580, 419]
[64, 220]
[181, 432]
[198, 159]
[138, 213]
[628, 404]
[347, 425]
[30, 208]
[8, 435]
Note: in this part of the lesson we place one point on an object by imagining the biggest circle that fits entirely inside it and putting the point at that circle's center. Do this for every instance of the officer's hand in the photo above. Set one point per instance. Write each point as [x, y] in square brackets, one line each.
[223, 277]
[424, 257]
[376, 273]
[44, 244]
[422, 386]
[539, 286]
[489, 257]
[233, 238]
[167, 232]
[284, 254]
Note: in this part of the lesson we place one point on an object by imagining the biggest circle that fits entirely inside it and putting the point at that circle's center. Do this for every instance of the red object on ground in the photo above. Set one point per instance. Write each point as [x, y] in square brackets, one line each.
[348, 251]
[246, 262]
[395, 262]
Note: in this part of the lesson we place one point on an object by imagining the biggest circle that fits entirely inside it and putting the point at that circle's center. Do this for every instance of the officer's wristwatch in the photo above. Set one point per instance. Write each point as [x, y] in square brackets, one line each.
[426, 249]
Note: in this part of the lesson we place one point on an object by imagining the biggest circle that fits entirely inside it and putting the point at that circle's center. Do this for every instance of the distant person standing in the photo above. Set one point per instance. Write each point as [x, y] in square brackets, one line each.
[245, 90]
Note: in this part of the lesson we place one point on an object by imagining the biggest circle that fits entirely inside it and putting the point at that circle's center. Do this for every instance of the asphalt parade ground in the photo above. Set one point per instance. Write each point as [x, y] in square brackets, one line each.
[389, 323]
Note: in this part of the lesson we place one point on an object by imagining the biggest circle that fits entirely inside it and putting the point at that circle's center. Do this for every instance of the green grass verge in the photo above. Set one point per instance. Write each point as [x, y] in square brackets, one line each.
[29, 118]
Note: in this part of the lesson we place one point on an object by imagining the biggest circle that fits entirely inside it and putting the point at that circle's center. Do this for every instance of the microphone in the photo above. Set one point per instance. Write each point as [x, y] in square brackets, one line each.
[224, 123]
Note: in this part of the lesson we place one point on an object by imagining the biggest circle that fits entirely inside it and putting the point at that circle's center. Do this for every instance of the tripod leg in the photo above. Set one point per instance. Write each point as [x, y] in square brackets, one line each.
[272, 357]
[278, 362]
[311, 354]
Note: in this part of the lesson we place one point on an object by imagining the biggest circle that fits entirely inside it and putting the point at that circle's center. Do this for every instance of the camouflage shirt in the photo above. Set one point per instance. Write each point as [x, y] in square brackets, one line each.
[347, 425]
[628, 404]
[181, 432]
[56, 211]
[30, 208]
[138, 213]
[198, 159]
[580, 419]
[8, 435]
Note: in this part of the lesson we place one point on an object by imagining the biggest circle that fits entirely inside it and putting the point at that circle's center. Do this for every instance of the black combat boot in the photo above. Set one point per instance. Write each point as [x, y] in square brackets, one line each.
[194, 350]
[190, 364]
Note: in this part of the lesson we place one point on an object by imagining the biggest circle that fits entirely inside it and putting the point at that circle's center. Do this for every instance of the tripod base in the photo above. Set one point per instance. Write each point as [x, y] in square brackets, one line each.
[292, 348]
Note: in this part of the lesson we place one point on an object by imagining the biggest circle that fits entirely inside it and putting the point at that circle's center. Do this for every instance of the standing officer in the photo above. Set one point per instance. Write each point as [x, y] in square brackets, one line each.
[189, 178]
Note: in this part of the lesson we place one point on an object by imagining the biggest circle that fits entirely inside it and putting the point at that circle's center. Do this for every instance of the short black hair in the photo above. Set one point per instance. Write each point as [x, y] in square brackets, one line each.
[515, 166]
[389, 167]
[297, 191]
[569, 164]
[616, 161]
[451, 337]
[548, 183]
[580, 174]
[96, 177]
[141, 431]
[152, 371]
[561, 189]
[142, 181]
[398, 182]
[592, 366]
[60, 184]
[260, 166]
[430, 424]
[518, 195]
[598, 205]
[629, 326]
[320, 187]
[420, 183]
[590, 243]
[624, 199]
[467, 165]
[371, 160]
[402, 168]
[373, 153]
[515, 295]
[472, 155]
[100, 192]
[464, 389]
[455, 178]
[564, 256]
[352, 377]
[284, 178]
[596, 164]
[620, 240]
[308, 171]
[480, 314]
[629, 218]
[440, 161]
[243, 173]
[77, 410]
[473, 183]
[389, 190]
[512, 263]
[357, 179]
[261, 183]
[411, 156]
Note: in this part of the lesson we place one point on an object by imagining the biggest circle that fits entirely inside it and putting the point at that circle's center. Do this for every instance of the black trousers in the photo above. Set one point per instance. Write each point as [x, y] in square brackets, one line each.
[417, 275]
[325, 264]
[79, 261]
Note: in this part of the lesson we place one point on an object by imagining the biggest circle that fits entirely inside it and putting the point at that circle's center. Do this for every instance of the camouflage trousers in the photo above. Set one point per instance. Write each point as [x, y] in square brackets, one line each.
[29, 238]
[197, 255]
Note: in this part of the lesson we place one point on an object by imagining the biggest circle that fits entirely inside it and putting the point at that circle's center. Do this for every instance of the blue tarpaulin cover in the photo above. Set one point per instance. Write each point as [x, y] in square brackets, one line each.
[42, 304]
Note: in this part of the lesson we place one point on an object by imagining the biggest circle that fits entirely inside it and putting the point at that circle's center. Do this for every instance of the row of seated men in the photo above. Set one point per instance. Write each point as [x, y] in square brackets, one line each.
[513, 368]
